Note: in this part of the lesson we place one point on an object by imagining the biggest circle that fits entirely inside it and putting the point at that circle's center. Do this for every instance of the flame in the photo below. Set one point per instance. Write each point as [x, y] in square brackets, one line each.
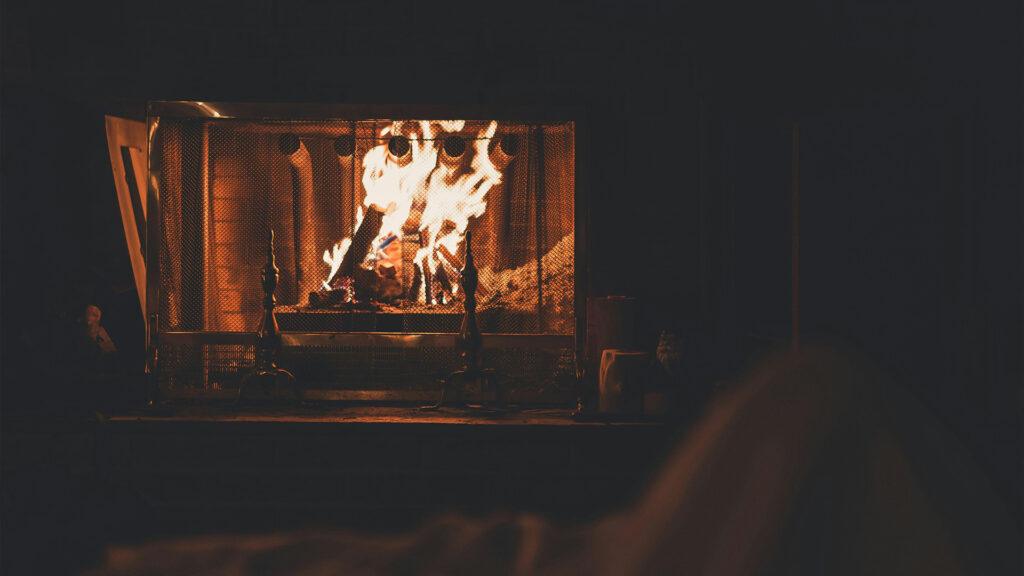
[333, 259]
[423, 188]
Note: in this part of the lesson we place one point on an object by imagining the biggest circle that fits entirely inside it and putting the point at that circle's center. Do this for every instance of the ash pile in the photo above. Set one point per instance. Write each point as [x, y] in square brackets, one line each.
[516, 289]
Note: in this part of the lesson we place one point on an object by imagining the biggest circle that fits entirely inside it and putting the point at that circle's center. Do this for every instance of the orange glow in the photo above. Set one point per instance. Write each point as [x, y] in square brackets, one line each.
[425, 189]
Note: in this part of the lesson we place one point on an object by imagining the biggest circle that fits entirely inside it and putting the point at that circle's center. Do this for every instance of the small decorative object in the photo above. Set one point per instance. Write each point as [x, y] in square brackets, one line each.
[96, 354]
[669, 355]
[93, 360]
[621, 382]
[95, 334]
[666, 376]
[268, 342]
[611, 324]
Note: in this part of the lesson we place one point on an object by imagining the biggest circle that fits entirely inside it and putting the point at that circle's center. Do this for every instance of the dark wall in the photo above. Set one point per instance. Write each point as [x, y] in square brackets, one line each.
[910, 202]
[910, 122]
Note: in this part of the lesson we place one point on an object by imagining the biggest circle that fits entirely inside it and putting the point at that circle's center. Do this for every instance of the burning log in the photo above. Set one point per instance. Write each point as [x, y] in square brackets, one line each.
[446, 286]
[428, 284]
[360, 291]
[448, 260]
[429, 208]
[324, 298]
[411, 276]
[353, 283]
[417, 282]
[366, 284]
[389, 287]
[336, 299]
[368, 230]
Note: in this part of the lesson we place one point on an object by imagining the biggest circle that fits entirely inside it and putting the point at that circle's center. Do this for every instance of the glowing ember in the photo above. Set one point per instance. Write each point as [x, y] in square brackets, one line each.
[433, 186]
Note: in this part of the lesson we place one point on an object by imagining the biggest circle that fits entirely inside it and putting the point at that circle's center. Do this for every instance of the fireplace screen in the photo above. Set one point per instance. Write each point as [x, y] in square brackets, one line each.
[370, 217]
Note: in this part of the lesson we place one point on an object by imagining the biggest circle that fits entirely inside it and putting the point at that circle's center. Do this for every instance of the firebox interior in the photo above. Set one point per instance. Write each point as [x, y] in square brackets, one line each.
[370, 217]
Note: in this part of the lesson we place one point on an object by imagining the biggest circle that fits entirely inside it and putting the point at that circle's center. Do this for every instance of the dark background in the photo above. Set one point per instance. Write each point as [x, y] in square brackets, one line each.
[909, 112]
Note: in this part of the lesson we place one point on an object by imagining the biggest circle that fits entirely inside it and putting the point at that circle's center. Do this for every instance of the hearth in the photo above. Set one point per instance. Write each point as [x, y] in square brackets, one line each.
[370, 208]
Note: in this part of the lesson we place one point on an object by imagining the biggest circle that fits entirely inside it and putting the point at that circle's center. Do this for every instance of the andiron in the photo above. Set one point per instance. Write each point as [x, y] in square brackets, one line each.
[470, 342]
[268, 342]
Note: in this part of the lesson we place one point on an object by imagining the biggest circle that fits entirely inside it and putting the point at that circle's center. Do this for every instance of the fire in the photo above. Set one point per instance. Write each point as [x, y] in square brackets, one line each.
[333, 259]
[431, 188]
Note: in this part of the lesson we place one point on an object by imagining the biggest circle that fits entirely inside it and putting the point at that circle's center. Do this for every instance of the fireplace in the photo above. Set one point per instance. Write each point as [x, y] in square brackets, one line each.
[370, 209]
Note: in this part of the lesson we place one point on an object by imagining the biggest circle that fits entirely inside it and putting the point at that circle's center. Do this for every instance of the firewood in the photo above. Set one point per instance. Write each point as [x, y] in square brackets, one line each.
[441, 277]
[362, 240]
[417, 282]
[389, 288]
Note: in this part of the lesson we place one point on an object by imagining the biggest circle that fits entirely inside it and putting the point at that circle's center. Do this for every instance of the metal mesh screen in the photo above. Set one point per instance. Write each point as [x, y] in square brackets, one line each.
[194, 370]
[369, 219]
[535, 376]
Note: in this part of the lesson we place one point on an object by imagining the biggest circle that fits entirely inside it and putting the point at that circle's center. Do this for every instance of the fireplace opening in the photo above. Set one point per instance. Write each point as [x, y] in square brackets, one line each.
[370, 215]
